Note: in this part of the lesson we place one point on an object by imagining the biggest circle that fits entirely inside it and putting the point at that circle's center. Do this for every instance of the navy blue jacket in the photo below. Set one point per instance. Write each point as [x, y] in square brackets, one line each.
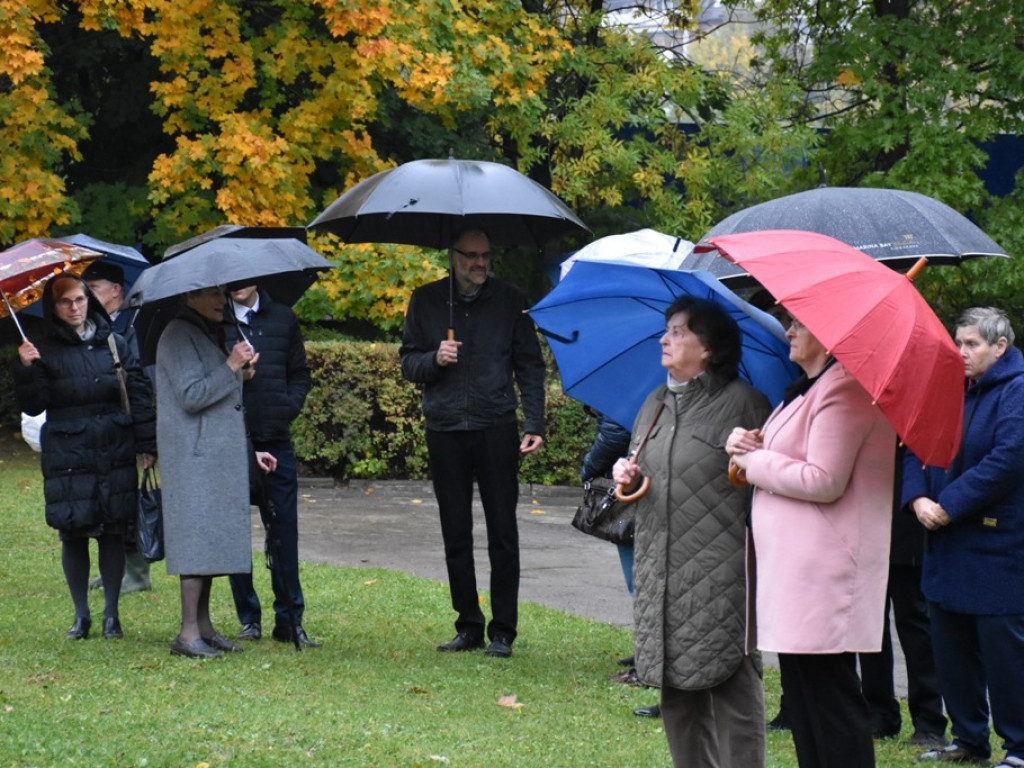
[275, 395]
[976, 563]
[611, 443]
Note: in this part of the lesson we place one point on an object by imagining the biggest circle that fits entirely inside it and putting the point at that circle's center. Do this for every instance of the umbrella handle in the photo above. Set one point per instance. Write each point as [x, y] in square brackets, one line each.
[451, 334]
[737, 476]
[620, 489]
[918, 266]
[621, 495]
[14, 317]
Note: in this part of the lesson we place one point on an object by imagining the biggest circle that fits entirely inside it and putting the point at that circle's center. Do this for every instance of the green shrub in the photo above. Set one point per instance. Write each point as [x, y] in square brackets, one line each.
[362, 419]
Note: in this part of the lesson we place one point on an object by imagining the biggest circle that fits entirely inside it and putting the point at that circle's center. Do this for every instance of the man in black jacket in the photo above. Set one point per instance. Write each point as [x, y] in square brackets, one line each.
[273, 397]
[468, 343]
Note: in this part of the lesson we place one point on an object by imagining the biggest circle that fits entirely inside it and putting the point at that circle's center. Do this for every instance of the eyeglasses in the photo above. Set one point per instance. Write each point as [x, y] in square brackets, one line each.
[795, 325]
[69, 303]
[474, 255]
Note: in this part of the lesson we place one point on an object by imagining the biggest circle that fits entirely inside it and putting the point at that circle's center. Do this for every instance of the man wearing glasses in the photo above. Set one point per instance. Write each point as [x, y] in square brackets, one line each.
[469, 344]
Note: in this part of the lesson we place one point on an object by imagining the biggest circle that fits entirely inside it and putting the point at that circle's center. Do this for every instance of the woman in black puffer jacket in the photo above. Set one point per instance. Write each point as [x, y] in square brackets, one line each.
[89, 442]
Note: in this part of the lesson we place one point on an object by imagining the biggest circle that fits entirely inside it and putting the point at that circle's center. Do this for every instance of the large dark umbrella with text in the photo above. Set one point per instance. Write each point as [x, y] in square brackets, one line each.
[873, 320]
[894, 226]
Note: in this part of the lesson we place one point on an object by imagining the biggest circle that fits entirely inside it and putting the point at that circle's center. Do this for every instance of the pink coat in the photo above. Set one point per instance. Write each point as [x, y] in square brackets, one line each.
[821, 520]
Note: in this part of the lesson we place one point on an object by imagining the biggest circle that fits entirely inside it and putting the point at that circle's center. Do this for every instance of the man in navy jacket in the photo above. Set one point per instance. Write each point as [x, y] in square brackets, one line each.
[273, 397]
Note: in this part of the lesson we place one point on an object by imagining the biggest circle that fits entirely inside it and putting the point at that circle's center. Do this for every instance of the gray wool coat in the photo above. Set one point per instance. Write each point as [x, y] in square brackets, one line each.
[204, 458]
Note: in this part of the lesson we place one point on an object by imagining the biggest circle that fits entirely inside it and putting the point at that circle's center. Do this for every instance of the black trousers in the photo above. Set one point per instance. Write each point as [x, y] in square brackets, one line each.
[827, 711]
[876, 669]
[490, 457]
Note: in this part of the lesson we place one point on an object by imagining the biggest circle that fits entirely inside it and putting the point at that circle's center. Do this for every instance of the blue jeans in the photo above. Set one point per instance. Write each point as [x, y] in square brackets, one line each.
[283, 487]
[626, 559]
[975, 654]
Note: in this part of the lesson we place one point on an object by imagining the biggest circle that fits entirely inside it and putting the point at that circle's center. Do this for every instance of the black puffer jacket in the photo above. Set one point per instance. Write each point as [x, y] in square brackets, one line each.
[274, 396]
[89, 443]
[499, 350]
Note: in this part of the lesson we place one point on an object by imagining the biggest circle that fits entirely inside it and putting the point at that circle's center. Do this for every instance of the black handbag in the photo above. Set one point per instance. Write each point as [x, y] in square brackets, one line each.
[149, 525]
[604, 516]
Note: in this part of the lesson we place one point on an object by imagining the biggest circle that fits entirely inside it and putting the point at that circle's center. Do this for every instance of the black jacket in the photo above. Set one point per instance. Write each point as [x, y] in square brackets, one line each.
[89, 443]
[499, 351]
[275, 395]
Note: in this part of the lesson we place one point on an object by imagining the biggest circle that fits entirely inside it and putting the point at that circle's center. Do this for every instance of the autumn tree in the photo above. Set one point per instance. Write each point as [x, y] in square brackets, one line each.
[906, 92]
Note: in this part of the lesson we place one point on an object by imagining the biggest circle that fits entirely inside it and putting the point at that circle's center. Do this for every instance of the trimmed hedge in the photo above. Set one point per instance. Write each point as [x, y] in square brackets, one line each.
[363, 420]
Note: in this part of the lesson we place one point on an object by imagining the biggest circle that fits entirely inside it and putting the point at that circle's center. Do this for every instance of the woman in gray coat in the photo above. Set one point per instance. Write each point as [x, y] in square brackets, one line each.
[689, 572]
[204, 458]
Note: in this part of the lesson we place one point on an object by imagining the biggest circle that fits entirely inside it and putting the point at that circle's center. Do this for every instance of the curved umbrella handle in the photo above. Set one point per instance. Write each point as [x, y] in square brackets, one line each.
[737, 476]
[620, 490]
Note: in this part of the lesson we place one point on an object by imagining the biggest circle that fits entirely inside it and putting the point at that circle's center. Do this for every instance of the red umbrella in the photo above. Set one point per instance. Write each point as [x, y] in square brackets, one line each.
[25, 268]
[873, 321]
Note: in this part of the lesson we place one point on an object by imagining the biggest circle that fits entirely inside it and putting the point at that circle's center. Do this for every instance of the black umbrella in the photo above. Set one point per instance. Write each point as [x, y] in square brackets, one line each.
[894, 226]
[235, 230]
[424, 202]
[285, 267]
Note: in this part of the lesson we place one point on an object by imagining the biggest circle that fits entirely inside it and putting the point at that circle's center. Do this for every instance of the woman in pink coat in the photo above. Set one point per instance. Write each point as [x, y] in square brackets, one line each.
[822, 470]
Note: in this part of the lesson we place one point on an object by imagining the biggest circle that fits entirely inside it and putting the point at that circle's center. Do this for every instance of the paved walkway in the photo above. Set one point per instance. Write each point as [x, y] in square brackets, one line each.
[394, 525]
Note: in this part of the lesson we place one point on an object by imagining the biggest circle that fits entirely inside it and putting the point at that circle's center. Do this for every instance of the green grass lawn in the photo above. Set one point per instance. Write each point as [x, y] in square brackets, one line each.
[376, 694]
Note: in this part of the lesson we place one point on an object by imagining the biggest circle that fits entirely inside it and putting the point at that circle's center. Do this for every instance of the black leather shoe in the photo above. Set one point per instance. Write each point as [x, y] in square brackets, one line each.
[629, 661]
[652, 711]
[220, 643]
[462, 642]
[251, 631]
[194, 649]
[112, 628]
[80, 629]
[500, 647]
[283, 634]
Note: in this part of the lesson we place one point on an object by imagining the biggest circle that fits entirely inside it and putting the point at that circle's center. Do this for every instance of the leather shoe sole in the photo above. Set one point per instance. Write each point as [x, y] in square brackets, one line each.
[652, 711]
[80, 629]
[220, 643]
[112, 629]
[461, 642]
[499, 647]
[193, 649]
[283, 634]
[250, 632]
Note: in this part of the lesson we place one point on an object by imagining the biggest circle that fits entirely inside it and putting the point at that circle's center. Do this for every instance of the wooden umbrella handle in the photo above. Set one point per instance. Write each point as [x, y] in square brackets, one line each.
[620, 489]
[737, 475]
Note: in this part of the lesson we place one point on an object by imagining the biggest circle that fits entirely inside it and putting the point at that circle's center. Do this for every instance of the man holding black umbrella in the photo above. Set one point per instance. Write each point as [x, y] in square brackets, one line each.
[468, 343]
[273, 399]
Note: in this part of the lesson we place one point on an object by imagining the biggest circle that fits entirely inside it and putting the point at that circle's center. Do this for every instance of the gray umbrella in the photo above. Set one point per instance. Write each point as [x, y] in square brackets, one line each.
[424, 202]
[894, 226]
[285, 266]
[235, 230]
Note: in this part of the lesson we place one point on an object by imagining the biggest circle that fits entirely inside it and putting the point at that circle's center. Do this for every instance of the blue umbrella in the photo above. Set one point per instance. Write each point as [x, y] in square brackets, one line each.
[124, 256]
[604, 322]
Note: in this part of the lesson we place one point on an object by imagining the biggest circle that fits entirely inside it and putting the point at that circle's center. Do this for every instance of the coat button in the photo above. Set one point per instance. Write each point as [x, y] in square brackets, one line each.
[238, 407]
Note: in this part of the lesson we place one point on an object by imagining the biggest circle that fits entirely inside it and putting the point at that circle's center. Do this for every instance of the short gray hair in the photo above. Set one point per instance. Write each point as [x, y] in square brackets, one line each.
[992, 323]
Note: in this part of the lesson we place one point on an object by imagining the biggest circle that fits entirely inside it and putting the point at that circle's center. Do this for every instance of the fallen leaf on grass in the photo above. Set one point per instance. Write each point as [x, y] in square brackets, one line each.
[368, 491]
[370, 583]
[510, 702]
[417, 689]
